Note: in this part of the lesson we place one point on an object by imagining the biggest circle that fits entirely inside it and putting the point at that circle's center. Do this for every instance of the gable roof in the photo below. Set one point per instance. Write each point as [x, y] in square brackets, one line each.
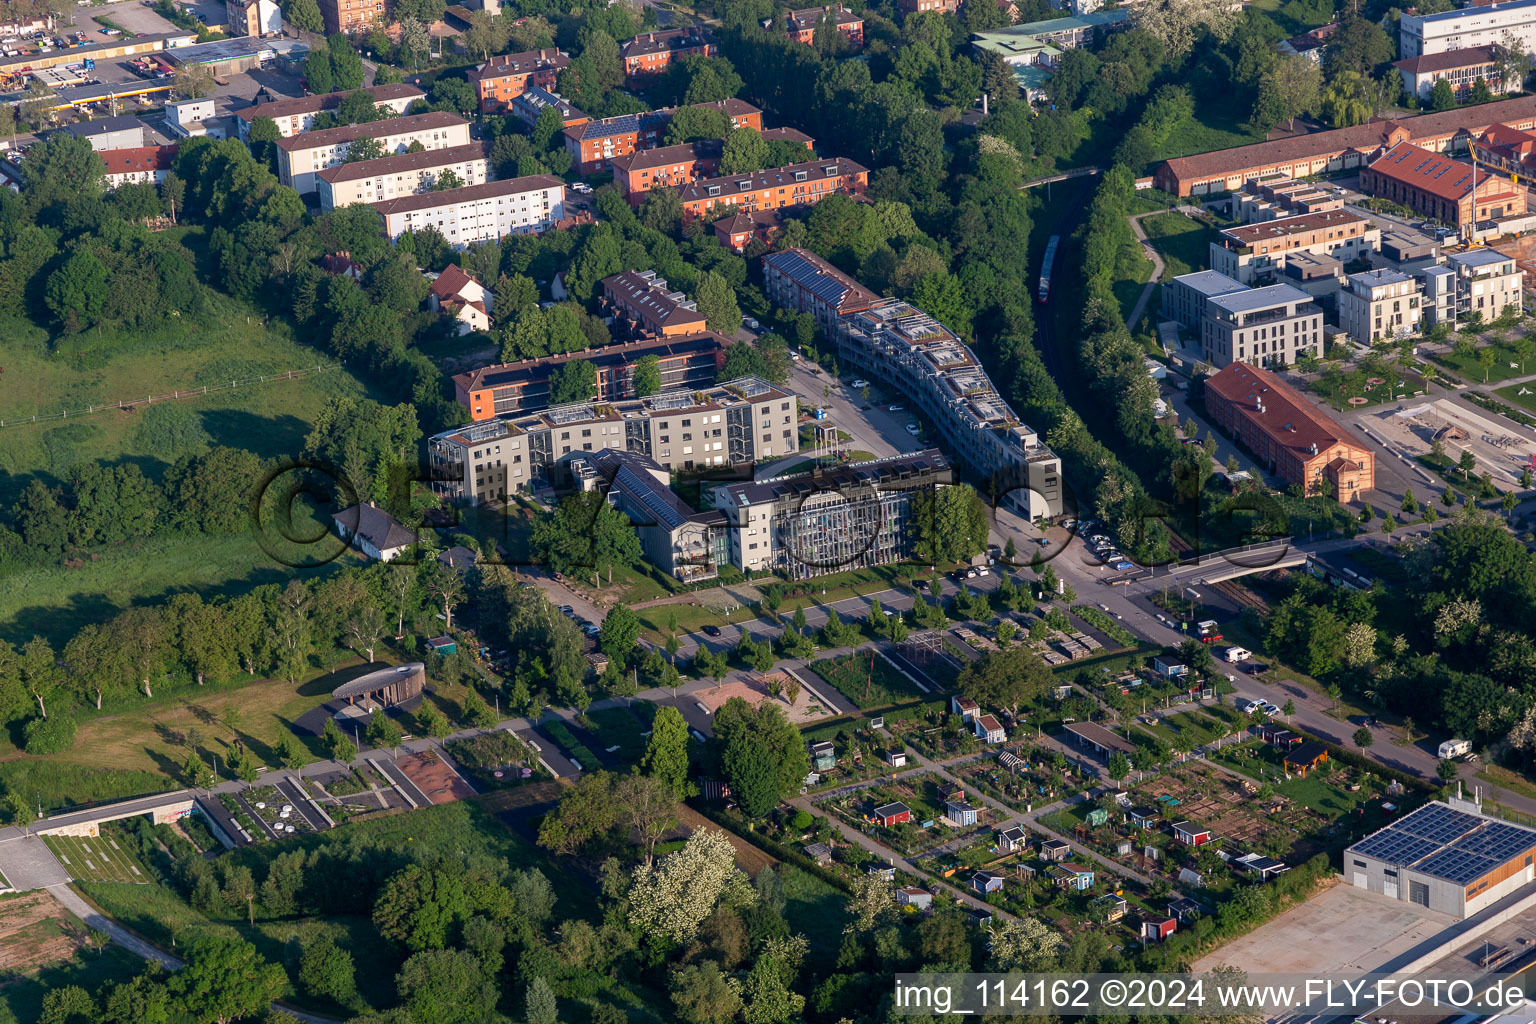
[667, 40]
[728, 185]
[371, 130]
[376, 526]
[508, 65]
[450, 283]
[470, 193]
[1431, 172]
[1286, 416]
[288, 106]
[141, 158]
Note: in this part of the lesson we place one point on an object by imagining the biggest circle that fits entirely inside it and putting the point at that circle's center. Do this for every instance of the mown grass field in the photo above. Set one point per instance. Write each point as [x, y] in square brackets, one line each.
[1184, 244]
[96, 858]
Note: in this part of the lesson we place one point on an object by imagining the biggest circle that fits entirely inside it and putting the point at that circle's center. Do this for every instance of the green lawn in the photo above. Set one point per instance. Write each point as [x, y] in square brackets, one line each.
[97, 858]
[1506, 364]
[814, 909]
[1512, 394]
[866, 679]
[624, 728]
[1183, 243]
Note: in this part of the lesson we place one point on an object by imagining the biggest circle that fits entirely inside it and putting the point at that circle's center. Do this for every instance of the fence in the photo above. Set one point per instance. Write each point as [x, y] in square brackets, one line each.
[129, 404]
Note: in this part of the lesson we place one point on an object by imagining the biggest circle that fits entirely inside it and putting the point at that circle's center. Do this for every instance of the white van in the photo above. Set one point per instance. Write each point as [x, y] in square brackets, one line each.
[1237, 654]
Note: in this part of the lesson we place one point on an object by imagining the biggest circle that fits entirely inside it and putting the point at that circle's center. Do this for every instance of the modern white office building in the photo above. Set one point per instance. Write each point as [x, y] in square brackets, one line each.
[1380, 305]
[1186, 296]
[1477, 25]
[1268, 326]
[479, 213]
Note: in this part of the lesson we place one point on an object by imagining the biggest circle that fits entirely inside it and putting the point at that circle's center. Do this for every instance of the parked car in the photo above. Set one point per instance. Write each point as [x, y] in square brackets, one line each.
[898, 407]
[566, 609]
[860, 383]
[914, 429]
[711, 630]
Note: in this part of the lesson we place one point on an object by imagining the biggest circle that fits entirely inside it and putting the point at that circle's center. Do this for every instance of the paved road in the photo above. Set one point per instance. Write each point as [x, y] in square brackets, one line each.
[1157, 268]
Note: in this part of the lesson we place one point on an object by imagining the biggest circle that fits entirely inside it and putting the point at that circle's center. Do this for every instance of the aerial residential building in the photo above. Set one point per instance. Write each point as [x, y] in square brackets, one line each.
[1287, 434]
[665, 167]
[920, 6]
[1437, 186]
[1277, 196]
[373, 532]
[350, 16]
[649, 306]
[486, 212]
[803, 23]
[1380, 305]
[505, 77]
[1462, 69]
[594, 145]
[809, 524]
[143, 165]
[186, 118]
[738, 230]
[104, 133]
[404, 174]
[530, 103]
[1185, 297]
[990, 730]
[1487, 283]
[1509, 149]
[1343, 149]
[1309, 44]
[458, 295]
[1033, 49]
[715, 426]
[800, 280]
[296, 115]
[253, 17]
[506, 389]
[301, 157]
[802, 184]
[1257, 253]
[1451, 859]
[1269, 326]
[649, 53]
[681, 542]
[909, 351]
[1512, 23]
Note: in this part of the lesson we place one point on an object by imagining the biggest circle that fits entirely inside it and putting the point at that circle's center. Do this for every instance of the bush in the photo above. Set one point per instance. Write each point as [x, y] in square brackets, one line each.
[802, 820]
[49, 735]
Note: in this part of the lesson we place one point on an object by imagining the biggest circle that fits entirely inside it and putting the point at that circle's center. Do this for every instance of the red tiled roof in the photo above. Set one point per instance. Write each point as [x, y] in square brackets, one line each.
[1450, 60]
[450, 283]
[1364, 137]
[671, 39]
[141, 158]
[1287, 417]
[288, 106]
[1428, 172]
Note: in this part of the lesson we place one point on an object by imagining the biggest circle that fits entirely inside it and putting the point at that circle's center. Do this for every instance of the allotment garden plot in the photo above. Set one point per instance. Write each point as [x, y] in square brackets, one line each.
[931, 813]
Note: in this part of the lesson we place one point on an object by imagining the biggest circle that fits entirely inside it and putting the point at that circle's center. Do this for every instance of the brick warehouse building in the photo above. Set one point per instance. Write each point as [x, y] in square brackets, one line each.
[1339, 150]
[1437, 186]
[1287, 434]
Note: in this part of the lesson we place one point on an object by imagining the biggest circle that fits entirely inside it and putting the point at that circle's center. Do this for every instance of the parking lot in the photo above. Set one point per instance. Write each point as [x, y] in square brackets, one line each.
[131, 16]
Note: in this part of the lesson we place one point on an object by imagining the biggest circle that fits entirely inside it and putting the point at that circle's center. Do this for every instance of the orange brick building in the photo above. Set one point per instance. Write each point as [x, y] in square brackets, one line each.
[649, 306]
[351, 16]
[596, 144]
[1287, 434]
[1436, 186]
[802, 24]
[795, 185]
[919, 6]
[650, 52]
[503, 78]
[643, 170]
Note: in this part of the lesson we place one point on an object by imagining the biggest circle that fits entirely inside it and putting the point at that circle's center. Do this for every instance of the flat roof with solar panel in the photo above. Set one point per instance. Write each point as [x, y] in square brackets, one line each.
[1449, 844]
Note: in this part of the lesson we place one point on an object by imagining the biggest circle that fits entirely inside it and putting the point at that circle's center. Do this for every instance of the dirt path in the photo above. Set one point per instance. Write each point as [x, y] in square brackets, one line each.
[1157, 267]
[748, 857]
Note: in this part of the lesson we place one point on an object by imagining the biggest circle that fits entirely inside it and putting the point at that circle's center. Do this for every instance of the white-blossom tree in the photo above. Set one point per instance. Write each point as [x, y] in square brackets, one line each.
[1023, 945]
[1359, 645]
[1175, 22]
[675, 895]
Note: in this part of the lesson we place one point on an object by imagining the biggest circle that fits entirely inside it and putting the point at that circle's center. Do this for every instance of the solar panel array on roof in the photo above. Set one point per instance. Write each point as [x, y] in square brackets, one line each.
[1446, 843]
[823, 286]
[569, 414]
[1394, 847]
[1456, 865]
[1438, 823]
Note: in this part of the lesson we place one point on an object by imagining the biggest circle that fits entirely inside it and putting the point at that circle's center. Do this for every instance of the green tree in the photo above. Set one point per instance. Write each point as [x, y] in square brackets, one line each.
[384, 733]
[433, 722]
[446, 986]
[539, 1005]
[703, 994]
[60, 168]
[1447, 770]
[619, 634]
[745, 151]
[225, 979]
[1119, 766]
[647, 378]
[77, 292]
[327, 971]
[447, 180]
[761, 753]
[666, 752]
[1008, 678]
[1441, 97]
[585, 534]
[304, 15]
[717, 301]
[362, 149]
[573, 381]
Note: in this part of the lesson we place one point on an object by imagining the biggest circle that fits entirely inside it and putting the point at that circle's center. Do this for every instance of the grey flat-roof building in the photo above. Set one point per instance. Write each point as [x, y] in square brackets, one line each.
[677, 539]
[729, 424]
[1444, 858]
[1184, 297]
[1267, 326]
[850, 517]
[1380, 305]
[121, 132]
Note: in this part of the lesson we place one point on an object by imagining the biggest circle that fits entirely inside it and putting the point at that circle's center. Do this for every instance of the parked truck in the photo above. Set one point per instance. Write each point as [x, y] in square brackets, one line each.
[1455, 748]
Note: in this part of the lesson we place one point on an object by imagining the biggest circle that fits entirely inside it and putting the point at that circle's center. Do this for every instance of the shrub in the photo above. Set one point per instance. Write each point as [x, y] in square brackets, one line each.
[49, 735]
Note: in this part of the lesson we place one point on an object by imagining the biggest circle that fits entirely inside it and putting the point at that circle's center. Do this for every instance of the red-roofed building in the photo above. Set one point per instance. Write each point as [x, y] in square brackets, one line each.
[1439, 187]
[650, 306]
[1287, 434]
[143, 164]
[1508, 148]
[595, 145]
[504, 78]
[800, 184]
[638, 172]
[737, 231]
[458, 295]
[1461, 68]
[802, 24]
[650, 52]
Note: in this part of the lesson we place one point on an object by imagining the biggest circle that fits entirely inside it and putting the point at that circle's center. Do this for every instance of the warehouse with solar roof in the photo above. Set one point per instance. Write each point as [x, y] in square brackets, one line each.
[1446, 859]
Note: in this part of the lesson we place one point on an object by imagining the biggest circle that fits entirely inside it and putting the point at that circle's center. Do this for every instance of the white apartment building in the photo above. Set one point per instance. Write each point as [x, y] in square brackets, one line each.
[479, 213]
[1185, 297]
[1380, 305]
[294, 115]
[390, 177]
[1513, 23]
[1262, 326]
[1487, 282]
[301, 157]
[1257, 253]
